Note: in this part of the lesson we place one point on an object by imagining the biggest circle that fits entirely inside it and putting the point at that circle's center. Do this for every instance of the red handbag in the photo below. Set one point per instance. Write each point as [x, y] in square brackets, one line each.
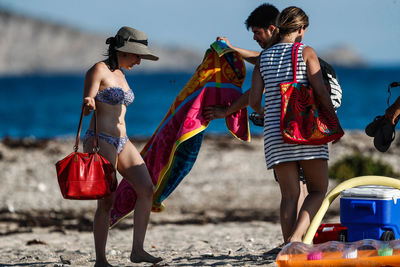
[86, 175]
[303, 119]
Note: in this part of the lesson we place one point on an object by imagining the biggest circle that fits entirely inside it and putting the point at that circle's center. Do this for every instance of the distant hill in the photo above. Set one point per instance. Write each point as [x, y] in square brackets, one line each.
[343, 55]
[30, 45]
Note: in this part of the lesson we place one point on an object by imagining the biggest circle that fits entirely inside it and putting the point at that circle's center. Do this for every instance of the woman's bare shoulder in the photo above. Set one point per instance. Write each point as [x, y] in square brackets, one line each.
[97, 69]
[309, 53]
[99, 66]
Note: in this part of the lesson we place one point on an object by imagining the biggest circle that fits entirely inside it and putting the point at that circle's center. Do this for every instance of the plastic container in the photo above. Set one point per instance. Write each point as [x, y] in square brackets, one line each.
[370, 212]
[366, 252]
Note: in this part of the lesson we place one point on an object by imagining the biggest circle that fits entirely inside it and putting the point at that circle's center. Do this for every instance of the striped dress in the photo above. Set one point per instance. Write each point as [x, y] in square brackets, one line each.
[276, 68]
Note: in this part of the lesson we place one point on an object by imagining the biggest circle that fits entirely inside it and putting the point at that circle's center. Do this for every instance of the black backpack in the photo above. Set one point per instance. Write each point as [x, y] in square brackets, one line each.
[331, 80]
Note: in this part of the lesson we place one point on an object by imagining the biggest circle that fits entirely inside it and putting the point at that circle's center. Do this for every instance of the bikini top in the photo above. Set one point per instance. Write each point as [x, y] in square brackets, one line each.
[115, 96]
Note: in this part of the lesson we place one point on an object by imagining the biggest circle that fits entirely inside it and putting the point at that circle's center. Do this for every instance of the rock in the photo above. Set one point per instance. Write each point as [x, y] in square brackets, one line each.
[112, 252]
[343, 55]
[35, 242]
[65, 260]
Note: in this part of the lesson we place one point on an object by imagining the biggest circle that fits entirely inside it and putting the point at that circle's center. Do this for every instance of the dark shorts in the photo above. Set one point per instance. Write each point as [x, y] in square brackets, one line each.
[301, 174]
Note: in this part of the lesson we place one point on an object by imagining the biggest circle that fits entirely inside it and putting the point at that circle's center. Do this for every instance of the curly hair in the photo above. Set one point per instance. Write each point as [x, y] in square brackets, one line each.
[263, 16]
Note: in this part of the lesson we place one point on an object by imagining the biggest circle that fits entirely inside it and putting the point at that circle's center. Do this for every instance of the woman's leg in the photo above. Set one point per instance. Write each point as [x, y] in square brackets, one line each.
[316, 174]
[303, 194]
[132, 168]
[288, 177]
[100, 229]
[101, 220]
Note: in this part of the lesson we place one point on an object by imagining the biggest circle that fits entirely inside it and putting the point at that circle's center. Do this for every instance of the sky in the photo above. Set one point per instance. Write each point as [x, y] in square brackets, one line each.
[370, 27]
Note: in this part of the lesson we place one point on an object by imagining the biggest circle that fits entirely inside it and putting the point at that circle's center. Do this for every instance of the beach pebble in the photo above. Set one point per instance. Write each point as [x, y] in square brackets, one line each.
[35, 242]
[240, 249]
[208, 254]
[113, 252]
[64, 260]
[10, 207]
[42, 187]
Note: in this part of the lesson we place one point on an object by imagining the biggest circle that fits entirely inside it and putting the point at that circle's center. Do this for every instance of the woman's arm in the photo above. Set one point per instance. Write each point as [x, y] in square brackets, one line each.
[256, 90]
[219, 112]
[314, 76]
[91, 87]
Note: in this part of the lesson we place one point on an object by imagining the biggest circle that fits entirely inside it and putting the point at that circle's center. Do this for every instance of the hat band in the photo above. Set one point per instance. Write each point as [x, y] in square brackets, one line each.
[145, 42]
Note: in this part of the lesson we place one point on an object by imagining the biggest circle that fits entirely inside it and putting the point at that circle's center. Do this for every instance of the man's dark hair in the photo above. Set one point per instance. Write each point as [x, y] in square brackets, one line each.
[262, 16]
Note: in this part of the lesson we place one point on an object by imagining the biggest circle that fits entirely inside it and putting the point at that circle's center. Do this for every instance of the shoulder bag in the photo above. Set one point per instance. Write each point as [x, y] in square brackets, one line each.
[303, 119]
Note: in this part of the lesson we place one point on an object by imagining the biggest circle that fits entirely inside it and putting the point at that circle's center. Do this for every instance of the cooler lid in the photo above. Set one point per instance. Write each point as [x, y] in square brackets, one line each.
[372, 191]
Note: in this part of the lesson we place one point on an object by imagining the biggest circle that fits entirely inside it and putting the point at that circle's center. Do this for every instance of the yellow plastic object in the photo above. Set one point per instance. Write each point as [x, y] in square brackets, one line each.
[331, 196]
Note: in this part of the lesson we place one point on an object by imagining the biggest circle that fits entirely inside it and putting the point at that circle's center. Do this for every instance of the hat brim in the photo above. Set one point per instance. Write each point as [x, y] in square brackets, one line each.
[138, 49]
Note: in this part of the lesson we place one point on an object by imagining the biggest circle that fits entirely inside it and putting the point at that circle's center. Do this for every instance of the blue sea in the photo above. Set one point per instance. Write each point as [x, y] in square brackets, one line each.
[48, 106]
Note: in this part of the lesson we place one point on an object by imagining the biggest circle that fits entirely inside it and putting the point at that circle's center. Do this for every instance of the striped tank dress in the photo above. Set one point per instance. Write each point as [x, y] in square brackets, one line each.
[276, 68]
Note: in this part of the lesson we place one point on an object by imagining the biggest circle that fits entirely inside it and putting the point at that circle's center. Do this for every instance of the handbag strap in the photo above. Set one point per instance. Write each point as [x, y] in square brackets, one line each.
[96, 147]
[295, 51]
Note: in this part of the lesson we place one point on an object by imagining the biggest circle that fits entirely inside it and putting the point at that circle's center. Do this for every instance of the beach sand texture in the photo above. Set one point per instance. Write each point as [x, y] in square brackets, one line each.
[225, 212]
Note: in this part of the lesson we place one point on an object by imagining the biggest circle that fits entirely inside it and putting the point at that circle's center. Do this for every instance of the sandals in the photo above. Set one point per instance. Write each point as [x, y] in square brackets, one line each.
[383, 132]
[384, 136]
[382, 129]
[373, 127]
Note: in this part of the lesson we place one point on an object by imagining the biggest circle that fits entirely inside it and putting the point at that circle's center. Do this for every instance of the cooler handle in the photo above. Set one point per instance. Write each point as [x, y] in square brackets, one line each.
[359, 204]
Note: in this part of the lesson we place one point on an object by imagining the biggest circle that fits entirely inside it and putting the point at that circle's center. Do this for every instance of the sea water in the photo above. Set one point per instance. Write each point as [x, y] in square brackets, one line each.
[48, 106]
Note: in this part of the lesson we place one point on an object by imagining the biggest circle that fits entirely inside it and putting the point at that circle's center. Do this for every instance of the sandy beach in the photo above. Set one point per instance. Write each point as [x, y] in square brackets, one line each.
[225, 212]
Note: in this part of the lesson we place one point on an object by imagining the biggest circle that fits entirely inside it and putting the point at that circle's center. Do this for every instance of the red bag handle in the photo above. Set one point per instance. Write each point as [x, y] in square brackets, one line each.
[96, 147]
[295, 51]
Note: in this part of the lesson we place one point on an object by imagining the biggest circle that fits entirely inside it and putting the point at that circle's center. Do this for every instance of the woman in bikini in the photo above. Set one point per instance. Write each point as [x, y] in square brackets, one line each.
[107, 91]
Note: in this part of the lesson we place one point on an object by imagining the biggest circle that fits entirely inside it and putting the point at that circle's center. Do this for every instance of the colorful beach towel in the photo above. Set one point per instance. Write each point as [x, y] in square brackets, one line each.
[172, 150]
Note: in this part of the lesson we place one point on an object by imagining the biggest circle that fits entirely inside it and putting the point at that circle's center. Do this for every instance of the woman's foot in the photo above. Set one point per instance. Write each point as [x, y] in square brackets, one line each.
[294, 238]
[143, 256]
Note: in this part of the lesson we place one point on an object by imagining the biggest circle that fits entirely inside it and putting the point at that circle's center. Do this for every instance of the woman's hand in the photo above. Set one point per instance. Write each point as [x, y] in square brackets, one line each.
[393, 112]
[89, 105]
[214, 112]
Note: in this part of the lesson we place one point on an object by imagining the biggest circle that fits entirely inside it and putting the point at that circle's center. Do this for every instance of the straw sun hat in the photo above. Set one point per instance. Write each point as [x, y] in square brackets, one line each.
[133, 41]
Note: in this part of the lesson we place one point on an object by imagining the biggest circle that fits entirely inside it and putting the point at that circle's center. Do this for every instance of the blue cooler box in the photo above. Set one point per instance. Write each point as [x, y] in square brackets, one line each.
[370, 212]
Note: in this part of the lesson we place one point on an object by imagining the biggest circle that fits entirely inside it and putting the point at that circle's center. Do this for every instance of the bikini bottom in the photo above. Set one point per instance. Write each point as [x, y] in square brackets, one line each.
[118, 142]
